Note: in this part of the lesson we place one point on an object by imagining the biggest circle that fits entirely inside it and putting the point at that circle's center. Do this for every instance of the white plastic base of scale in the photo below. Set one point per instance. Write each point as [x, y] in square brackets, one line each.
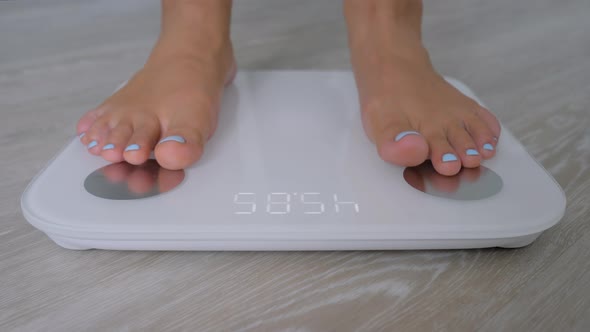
[290, 168]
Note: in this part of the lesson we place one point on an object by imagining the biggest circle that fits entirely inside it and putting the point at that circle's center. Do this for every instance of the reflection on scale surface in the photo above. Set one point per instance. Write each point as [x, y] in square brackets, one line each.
[124, 181]
[469, 184]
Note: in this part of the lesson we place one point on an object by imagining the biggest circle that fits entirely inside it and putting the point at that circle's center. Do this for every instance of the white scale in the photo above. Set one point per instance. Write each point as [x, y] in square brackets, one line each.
[290, 168]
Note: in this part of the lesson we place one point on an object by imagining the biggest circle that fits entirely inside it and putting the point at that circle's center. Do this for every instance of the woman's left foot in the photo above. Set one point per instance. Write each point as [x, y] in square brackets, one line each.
[408, 110]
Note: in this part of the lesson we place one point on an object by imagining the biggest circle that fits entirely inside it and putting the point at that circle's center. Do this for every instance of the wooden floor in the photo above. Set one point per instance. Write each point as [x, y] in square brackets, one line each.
[528, 60]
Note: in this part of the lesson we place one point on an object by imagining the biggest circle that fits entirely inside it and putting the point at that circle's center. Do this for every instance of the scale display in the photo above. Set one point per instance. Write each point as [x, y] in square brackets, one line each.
[290, 168]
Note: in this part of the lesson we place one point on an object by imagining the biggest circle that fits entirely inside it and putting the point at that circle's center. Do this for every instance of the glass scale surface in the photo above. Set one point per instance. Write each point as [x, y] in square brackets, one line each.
[290, 168]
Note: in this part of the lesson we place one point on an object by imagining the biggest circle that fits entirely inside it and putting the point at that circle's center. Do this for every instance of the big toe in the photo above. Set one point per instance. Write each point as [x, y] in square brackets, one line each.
[397, 142]
[179, 148]
[406, 148]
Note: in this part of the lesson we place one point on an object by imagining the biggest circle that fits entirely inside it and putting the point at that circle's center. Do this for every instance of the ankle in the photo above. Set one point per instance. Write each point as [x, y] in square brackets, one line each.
[218, 67]
[201, 28]
[389, 17]
[195, 32]
[392, 27]
[379, 11]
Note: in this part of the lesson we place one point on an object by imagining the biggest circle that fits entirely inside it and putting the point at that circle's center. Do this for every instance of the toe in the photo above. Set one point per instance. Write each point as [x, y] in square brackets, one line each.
[465, 147]
[179, 148]
[96, 135]
[444, 158]
[86, 121]
[116, 142]
[491, 120]
[184, 135]
[397, 142]
[403, 147]
[146, 131]
[484, 128]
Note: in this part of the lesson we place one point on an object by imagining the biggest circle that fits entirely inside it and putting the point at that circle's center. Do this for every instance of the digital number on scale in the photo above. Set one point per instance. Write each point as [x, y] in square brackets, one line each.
[281, 203]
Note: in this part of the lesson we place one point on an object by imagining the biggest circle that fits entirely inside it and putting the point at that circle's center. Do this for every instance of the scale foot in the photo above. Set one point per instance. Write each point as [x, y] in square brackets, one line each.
[520, 242]
[69, 245]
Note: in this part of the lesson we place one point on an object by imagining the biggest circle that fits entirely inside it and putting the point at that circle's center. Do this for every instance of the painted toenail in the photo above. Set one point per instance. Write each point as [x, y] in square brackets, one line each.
[173, 138]
[472, 152]
[82, 135]
[449, 157]
[108, 147]
[132, 147]
[405, 133]
[92, 144]
[488, 147]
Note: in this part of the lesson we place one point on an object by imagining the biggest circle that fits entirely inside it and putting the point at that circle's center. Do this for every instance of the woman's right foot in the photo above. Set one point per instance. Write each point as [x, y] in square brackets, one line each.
[170, 106]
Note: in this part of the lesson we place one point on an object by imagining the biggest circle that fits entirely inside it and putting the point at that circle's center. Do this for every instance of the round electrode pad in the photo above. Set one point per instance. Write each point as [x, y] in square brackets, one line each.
[469, 184]
[123, 181]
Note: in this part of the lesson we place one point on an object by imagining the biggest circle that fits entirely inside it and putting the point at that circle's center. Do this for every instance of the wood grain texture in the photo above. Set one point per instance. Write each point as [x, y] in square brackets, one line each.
[528, 60]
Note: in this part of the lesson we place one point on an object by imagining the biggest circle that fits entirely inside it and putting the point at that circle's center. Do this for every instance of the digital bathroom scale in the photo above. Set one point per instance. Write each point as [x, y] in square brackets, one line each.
[290, 168]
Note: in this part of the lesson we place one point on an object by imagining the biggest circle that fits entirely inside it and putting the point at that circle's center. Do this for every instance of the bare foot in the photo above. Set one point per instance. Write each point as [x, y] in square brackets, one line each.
[408, 110]
[170, 106]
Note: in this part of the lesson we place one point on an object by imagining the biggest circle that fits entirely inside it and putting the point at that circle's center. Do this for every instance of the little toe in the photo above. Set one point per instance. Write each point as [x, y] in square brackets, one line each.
[86, 121]
[484, 135]
[442, 155]
[96, 136]
[490, 119]
[463, 143]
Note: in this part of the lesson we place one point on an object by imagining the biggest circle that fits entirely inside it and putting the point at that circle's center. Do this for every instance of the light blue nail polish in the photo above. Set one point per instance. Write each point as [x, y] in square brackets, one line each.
[108, 147]
[92, 144]
[472, 152]
[82, 135]
[132, 147]
[175, 138]
[449, 157]
[488, 147]
[405, 133]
